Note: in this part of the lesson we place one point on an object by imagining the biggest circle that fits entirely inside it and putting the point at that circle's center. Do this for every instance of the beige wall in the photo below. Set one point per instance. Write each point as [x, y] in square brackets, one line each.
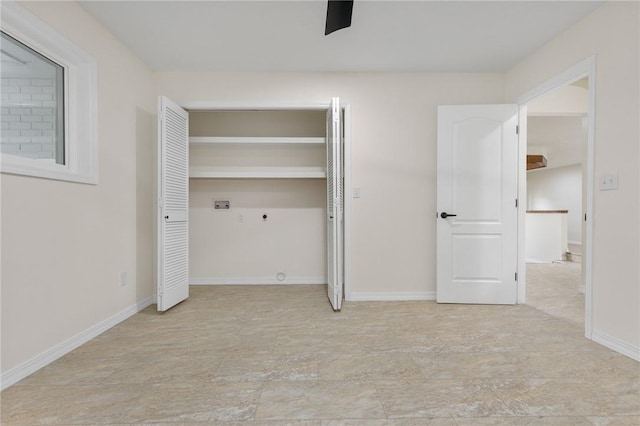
[558, 188]
[223, 249]
[565, 100]
[64, 244]
[611, 33]
[394, 150]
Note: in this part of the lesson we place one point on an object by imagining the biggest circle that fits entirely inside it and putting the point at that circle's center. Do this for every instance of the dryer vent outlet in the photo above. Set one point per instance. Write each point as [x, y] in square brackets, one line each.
[221, 205]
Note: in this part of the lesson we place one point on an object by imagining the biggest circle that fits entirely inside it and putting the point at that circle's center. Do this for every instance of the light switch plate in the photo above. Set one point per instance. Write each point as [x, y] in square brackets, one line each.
[356, 192]
[608, 182]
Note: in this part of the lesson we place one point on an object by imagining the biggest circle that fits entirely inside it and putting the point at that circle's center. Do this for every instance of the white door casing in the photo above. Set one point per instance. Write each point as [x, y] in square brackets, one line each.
[173, 204]
[335, 195]
[584, 69]
[477, 181]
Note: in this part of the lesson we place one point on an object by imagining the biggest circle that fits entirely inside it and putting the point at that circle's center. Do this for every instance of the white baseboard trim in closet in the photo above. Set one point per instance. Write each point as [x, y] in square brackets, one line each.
[357, 296]
[47, 357]
[616, 344]
[257, 281]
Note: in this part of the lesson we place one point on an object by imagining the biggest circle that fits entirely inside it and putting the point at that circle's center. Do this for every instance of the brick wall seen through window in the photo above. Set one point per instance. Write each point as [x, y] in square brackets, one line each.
[32, 106]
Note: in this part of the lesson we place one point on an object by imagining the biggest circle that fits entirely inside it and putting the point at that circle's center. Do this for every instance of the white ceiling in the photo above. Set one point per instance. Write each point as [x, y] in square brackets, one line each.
[558, 131]
[280, 36]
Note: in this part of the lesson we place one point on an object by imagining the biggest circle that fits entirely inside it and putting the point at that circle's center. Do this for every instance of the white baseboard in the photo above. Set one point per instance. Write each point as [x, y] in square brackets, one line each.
[357, 296]
[256, 280]
[616, 344]
[36, 363]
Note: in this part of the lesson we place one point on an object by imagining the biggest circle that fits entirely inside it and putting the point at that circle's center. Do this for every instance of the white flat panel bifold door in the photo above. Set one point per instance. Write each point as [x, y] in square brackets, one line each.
[173, 204]
[335, 205]
[477, 204]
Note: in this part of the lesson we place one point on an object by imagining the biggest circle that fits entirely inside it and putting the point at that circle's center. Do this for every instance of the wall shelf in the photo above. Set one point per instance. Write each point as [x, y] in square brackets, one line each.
[258, 172]
[255, 140]
[536, 162]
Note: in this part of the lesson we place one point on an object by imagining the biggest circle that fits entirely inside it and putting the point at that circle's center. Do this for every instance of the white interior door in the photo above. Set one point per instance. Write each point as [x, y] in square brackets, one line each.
[334, 205]
[477, 204]
[173, 204]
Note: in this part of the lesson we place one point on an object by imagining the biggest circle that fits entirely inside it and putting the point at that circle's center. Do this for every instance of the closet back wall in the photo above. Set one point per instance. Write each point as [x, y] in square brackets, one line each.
[224, 249]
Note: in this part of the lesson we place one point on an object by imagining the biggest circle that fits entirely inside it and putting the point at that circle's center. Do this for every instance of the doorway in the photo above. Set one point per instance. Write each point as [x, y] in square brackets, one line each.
[558, 183]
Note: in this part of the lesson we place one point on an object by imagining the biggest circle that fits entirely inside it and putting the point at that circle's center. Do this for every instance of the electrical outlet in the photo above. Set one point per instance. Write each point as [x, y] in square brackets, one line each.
[123, 279]
[608, 182]
[241, 218]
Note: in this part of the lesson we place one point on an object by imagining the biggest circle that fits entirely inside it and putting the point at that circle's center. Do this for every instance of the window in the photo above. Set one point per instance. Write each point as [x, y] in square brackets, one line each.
[48, 101]
[32, 103]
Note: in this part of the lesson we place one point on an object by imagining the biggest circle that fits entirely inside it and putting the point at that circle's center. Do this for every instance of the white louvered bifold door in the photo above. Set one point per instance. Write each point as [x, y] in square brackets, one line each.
[334, 205]
[173, 204]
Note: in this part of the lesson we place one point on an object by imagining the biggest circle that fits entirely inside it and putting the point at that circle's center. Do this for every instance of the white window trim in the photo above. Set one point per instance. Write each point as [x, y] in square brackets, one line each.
[81, 100]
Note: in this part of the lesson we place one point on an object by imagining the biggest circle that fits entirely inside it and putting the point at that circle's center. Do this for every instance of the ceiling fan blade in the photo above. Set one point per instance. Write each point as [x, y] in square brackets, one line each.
[338, 15]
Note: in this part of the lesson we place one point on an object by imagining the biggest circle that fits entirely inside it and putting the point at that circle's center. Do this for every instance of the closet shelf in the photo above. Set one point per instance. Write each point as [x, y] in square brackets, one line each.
[255, 140]
[258, 172]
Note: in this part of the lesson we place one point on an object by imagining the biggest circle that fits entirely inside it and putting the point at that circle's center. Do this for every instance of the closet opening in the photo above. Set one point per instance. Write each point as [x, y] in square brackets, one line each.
[264, 196]
[269, 167]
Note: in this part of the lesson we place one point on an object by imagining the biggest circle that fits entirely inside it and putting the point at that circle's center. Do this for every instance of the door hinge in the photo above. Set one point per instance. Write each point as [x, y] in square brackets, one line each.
[516, 203]
[516, 276]
[517, 130]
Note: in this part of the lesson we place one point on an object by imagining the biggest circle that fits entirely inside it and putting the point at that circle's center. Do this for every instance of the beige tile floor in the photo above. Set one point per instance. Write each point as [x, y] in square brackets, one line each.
[280, 356]
[554, 289]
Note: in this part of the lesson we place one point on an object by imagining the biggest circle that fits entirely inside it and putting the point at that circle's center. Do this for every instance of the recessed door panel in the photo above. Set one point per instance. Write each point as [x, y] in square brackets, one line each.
[476, 258]
[478, 151]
